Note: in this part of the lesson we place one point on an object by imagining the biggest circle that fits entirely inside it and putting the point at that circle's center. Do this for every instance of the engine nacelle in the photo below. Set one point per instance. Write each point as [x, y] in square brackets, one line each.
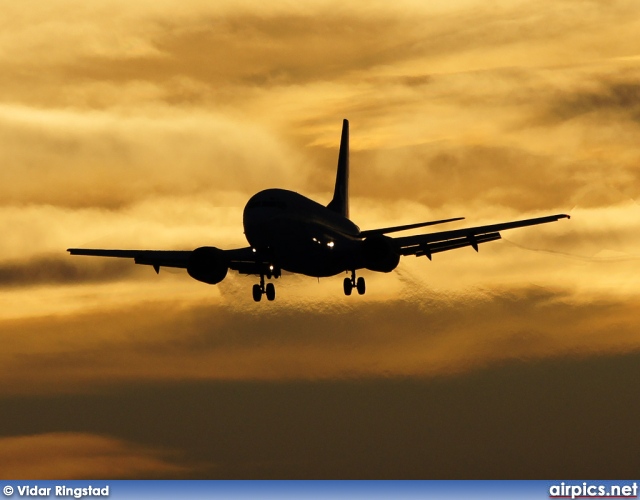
[208, 264]
[379, 254]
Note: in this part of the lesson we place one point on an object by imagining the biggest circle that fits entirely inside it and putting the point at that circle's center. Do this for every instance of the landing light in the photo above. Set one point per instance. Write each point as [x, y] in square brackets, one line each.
[330, 244]
[271, 268]
[253, 250]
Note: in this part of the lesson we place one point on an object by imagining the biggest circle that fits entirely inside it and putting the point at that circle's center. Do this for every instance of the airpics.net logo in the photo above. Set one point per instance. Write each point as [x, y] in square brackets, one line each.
[586, 490]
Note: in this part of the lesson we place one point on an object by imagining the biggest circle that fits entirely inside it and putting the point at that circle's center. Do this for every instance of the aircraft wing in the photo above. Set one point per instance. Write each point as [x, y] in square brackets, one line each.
[428, 244]
[243, 260]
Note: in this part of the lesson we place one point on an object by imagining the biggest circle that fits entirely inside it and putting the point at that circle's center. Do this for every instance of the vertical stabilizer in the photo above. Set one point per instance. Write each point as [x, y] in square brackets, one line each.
[340, 201]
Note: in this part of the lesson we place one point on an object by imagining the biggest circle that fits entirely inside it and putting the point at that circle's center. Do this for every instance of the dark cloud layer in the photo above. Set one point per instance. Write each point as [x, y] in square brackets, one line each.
[552, 419]
[53, 270]
[420, 333]
[613, 98]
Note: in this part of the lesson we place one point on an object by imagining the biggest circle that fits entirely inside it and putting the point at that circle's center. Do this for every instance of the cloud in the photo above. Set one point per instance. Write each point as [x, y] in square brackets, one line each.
[217, 55]
[615, 96]
[75, 455]
[107, 160]
[172, 106]
[149, 124]
[598, 93]
[473, 177]
[327, 41]
[421, 332]
[51, 270]
[370, 428]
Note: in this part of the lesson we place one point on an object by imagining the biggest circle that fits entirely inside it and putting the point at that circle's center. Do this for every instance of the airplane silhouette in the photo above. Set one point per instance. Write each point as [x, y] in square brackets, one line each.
[289, 232]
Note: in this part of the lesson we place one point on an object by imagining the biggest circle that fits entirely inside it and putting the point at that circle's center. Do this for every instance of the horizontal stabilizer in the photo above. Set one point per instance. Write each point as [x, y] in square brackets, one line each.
[394, 229]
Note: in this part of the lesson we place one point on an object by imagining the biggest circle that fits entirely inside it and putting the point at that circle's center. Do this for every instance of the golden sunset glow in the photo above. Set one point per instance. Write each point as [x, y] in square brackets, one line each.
[148, 125]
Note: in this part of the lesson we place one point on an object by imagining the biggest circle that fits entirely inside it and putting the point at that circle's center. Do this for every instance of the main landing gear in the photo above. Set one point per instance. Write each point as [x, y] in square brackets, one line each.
[350, 283]
[261, 289]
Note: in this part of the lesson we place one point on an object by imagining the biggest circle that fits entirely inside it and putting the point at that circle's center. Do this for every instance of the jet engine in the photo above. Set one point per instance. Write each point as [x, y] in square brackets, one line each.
[208, 264]
[379, 254]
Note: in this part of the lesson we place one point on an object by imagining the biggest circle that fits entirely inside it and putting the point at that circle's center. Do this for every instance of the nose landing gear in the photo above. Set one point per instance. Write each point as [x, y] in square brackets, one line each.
[350, 283]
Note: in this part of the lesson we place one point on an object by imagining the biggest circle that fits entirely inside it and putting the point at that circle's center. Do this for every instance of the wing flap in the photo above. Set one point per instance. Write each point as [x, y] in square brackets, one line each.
[428, 249]
[160, 258]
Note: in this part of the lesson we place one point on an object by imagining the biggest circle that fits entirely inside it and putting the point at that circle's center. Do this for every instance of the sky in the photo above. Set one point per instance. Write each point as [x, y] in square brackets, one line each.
[146, 124]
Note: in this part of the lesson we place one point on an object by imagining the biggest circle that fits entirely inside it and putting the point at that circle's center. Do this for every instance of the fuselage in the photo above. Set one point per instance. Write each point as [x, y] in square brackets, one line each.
[301, 236]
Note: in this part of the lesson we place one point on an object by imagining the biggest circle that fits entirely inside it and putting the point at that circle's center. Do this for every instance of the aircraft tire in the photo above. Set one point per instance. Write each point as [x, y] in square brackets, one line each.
[257, 293]
[361, 286]
[271, 291]
[348, 286]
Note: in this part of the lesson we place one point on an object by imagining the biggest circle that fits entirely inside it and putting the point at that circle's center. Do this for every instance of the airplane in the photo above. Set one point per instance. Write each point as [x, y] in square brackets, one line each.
[290, 232]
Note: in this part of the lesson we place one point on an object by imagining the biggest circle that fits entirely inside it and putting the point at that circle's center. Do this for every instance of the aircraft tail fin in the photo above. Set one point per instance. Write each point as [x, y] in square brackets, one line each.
[340, 201]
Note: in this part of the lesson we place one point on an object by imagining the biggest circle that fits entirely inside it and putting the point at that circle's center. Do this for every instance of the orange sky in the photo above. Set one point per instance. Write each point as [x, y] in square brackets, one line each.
[142, 124]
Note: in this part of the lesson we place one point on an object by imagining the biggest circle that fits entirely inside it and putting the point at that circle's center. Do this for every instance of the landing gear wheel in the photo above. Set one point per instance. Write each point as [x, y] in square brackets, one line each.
[361, 286]
[271, 291]
[257, 292]
[348, 286]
